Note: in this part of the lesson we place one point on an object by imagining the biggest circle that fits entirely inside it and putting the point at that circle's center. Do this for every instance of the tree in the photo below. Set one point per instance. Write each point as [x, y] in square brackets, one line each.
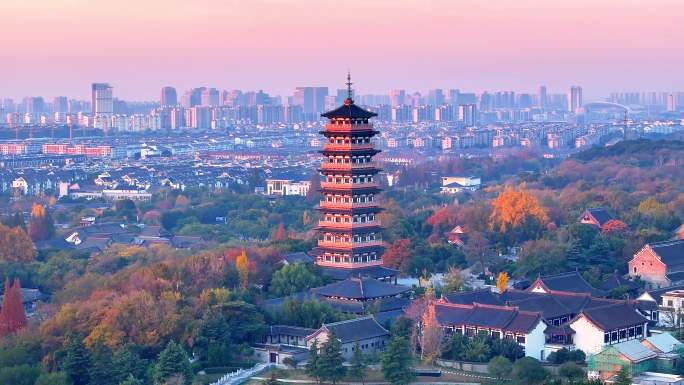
[130, 380]
[306, 218]
[499, 367]
[623, 377]
[101, 366]
[358, 369]
[292, 279]
[571, 371]
[172, 362]
[453, 281]
[528, 371]
[56, 378]
[478, 250]
[313, 194]
[279, 234]
[127, 362]
[396, 362]
[502, 281]
[540, 257]
[19, 375]
[76, 362]
[182, 201]
[271, 380]
[477, 349]
[242, 266]
[15, 245]
[614, 226]
[398, 255]
[517, 210]
[12, 315]
[40, 225]
[431, 336]
[312, 364]
[330, 361]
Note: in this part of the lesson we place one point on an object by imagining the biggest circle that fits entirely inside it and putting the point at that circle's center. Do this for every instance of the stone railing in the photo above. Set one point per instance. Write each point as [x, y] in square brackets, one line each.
[241, 375]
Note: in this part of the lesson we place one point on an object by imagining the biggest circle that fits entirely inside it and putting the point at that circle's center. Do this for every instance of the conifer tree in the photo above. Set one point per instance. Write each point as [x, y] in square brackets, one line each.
[12, 315]
[173, 361]
[358, 368]
[76, 362]
[312, 368]
[396, 362]
[330, 362]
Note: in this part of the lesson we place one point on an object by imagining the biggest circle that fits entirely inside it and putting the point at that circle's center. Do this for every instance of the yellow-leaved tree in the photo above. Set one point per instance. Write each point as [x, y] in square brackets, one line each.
[502, 281]
[242, 266]
[516, 208]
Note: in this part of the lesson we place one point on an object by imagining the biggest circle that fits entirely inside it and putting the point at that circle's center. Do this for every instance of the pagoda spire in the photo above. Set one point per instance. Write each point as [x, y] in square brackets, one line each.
[349, 89]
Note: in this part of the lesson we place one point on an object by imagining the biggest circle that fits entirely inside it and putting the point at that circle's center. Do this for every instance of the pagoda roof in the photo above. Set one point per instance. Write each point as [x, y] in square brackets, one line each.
[349, 110]
[360, 289]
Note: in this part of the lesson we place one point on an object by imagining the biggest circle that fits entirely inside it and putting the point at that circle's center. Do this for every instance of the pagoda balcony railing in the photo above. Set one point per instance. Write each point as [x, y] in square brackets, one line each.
[347, 147]
[349, 245]
[348, 206]
[347, 127]
[348, 166]
[348, 225]
[323, 262]
[340, 185]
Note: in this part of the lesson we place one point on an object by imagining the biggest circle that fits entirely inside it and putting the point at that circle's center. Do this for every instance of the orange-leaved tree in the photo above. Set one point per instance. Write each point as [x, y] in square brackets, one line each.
[242, 266]
[516, 208]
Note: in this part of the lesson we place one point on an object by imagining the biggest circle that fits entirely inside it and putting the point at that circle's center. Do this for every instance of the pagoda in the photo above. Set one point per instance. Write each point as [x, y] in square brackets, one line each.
[349, 231]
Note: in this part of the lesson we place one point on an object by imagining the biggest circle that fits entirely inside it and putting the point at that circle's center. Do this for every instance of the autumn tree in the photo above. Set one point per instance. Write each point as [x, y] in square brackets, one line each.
[182, 201]
[431, 335]
[15, 245]
[478, 250]
[614, 226]
[502, 281]
[279, 234]
[398, 255]
[40, 225]
[517, 210]
[242, 266]
[12, 315]
[453, 280]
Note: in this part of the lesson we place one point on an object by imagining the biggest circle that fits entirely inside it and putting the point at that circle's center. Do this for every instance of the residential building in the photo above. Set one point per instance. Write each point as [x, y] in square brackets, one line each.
[598, 217]
[102, 104]
[287, 187]
[456, 184]
[659, 264]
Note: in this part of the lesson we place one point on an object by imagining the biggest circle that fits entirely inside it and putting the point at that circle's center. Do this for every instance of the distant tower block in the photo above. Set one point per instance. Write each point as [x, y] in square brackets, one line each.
[349, 229]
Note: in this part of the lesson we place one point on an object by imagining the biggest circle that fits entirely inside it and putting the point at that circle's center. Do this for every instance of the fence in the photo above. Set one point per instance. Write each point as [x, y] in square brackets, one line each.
[240, 375]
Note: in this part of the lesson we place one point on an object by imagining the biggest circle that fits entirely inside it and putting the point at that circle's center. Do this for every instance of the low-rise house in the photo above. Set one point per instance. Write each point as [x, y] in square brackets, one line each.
[598, 217]
[567, 282]
[457, 184]
[607, 325]
[366, 332]
[287, 187]
[659, 264]
[457, 236]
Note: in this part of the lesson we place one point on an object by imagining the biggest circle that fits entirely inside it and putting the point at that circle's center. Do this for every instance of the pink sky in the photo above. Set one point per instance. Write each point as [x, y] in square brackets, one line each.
[58, 47]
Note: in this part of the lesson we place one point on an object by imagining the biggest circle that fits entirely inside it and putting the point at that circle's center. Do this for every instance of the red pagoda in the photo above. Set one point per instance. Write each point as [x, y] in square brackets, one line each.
[350, 239]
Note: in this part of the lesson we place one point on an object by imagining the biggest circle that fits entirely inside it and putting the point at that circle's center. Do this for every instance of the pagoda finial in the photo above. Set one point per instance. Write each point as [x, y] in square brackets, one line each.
[349, 86]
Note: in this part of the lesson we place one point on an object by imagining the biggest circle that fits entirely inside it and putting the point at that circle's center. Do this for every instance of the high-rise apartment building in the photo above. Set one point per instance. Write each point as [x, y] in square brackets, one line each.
[311, 99]
[541, 97]
[210, 97]
[672, 102]
[102, 104]
[169, 97]
[60, 104]
[397, 97]
[435, 97]
[35, 105]
[575, 98]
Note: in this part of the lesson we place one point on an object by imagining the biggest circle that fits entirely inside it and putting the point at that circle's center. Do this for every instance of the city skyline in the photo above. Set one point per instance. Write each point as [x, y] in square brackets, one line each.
[268, 45]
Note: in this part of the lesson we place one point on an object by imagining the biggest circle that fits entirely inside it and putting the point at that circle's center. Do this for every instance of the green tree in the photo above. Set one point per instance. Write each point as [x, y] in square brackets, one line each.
[396, 362]
[19, 375]
[101, 366]
[127, 362]
[499, 367]
[56, 378]
[173, 361]
[312, 365]
[271, 380]
[571, 371]
[330, 361]
[528, 371]
[358, 368]
[130, 380]
[292, 279]
[623, 377]
[477, 349]
[76, 362]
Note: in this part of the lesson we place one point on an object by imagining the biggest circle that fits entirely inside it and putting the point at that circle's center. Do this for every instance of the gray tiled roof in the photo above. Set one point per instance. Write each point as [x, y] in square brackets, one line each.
[360, 289]
[356, 329]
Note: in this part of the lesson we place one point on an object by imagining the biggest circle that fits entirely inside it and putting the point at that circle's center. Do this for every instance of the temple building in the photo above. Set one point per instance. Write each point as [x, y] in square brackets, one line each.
[350, 241]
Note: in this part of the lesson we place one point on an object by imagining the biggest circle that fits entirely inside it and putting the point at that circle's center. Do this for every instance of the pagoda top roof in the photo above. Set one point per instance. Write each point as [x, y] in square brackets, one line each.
[349, 110]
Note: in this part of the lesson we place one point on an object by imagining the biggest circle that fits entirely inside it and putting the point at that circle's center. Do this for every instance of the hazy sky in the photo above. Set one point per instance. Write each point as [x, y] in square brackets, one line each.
[58, 47]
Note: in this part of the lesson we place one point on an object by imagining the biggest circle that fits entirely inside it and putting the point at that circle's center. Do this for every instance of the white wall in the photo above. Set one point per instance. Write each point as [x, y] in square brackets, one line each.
[534, 342]
[588, 338]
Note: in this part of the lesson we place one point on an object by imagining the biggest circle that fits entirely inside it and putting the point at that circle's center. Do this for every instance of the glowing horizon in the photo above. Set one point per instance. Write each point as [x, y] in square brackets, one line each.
[59, 47]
